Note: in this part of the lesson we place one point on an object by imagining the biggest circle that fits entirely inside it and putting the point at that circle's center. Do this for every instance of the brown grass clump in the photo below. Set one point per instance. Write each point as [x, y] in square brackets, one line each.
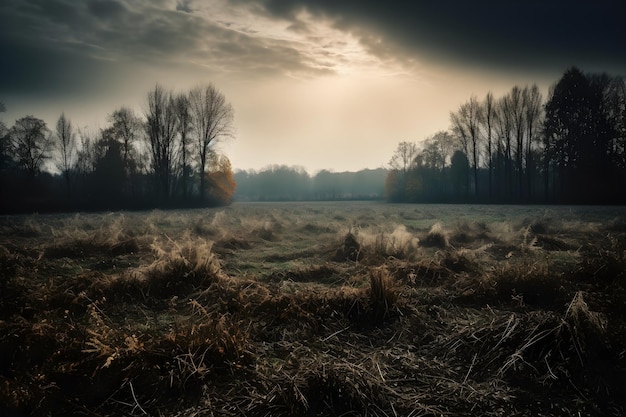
[399, 244]
[13, 289]
[325, 273]
[187, 266]
[383, 294]
[605, 262]
[110, 240]
[179, 268]
[436, 237]
[587, 327]
[532, 284]
[468, 233]
[350, 249]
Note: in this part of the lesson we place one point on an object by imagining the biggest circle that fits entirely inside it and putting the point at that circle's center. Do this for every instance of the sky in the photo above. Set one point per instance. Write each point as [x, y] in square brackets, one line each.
[324, 84]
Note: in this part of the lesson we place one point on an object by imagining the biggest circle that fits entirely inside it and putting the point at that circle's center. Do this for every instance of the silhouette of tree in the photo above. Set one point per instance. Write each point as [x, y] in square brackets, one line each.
[31, 143]
[615, 108]
[183, 113]
[89, 151]
[66, 147]
[108, 176]
[567, 127]
[403, 158]
[212, 121]
[161, 130]
[401, 163]
[489, 122]
[466, 124]
[504, 129]
[5, 143]
[436, 151]
[516, 110]
[126, 128]
[533, 118]
[459, 169]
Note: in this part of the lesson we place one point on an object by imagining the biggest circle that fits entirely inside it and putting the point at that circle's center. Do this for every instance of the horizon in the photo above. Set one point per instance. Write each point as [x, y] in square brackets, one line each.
[326, 86]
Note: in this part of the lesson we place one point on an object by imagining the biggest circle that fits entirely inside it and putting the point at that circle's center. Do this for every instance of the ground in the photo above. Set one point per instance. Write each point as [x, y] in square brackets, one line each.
[307, 309]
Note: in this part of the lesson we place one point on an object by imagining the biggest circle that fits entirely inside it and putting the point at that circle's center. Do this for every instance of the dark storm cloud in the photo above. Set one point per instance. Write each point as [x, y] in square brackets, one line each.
[53, 46]
[184, 6]
[507, 35]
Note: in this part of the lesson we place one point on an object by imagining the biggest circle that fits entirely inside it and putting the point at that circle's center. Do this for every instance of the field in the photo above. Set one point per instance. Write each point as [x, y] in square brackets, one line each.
[321, 309]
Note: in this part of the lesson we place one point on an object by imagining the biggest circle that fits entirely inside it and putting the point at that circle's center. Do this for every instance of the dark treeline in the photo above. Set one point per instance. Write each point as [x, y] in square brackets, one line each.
[162, 158]
[283, 183]
[519, 148]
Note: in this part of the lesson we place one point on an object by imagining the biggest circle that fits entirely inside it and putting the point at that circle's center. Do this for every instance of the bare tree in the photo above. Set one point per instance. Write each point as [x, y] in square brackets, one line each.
[212, 121]
[489, 121]
[403, 159]
[466, 125]
[440, 146]
[532, 117]
[125, 128]
[161, 128]
[183, 113]
[66, 147]
[31, 141]
[5, 144]
[504, 129]
[88, 152]
[517, 109]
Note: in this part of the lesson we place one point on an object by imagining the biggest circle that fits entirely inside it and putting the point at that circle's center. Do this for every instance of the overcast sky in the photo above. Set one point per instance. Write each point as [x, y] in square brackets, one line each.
[321, 84]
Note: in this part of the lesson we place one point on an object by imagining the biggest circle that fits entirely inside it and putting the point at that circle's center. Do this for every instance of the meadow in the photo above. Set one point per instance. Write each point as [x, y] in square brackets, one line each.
[315, 309]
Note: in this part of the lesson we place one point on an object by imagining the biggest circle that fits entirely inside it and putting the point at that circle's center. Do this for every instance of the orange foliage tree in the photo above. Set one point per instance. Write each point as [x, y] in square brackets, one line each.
[220, 181]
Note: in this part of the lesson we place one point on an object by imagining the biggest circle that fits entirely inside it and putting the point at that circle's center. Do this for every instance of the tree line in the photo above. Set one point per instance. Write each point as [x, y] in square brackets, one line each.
[165, 157]
[284, 183]
[518, 148]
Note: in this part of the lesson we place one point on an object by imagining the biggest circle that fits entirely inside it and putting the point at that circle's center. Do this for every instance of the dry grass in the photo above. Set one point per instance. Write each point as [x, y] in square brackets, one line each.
[290, 313]
[437, 237]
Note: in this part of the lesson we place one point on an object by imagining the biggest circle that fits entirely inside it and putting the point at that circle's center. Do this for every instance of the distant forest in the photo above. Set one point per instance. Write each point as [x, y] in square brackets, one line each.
[283, 183]
[518, 148]
[162, 158]
[570, 148]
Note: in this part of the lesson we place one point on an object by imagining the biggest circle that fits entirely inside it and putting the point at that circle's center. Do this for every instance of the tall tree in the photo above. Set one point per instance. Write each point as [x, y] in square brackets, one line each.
[66, 147]
[125, 128]
[504, 129]
[403, 158]
[489, 121]
[459, 169]
[31, 142]
[5, 144]
[183, 113]
[466, 124]
[161, 128]
[567, 127]
[212, 121]
[516, 113]
[532, 118]
[401, 163]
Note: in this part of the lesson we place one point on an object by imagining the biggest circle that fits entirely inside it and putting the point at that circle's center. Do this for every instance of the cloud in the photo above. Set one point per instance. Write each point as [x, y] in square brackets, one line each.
[509, 35]
[184, 6]
[80, 36]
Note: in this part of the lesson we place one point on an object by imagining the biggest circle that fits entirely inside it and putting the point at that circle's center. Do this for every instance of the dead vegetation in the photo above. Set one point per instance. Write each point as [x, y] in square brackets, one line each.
[265, 311]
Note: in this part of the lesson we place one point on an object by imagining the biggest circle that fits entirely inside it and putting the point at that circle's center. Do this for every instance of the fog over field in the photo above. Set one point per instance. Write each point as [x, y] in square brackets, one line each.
[300, 309]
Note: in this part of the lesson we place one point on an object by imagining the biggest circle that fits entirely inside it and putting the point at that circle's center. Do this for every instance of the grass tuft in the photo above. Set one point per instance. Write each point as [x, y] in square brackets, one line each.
[350, 249]
[436, 237]
[383, 294]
